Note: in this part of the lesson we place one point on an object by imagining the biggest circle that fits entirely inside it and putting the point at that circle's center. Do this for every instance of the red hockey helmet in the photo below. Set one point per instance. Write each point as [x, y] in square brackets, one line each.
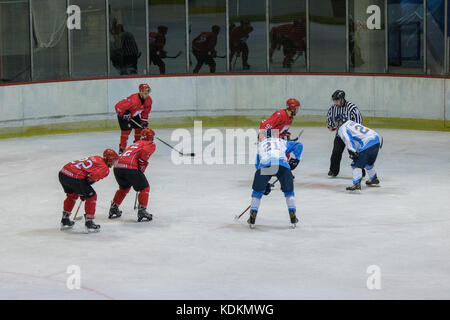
[147, 134]
[293, 104]
[110, 157]
[143, 87]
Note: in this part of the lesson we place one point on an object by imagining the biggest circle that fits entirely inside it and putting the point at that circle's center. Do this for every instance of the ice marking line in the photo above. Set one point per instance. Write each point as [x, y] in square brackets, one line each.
[60, 281]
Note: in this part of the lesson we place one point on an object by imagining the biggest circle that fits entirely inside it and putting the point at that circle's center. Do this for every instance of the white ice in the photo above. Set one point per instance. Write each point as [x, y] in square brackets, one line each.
[194, 249]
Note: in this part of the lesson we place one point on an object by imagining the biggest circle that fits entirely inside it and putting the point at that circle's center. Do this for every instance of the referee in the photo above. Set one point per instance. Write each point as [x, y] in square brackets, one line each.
[340, 106]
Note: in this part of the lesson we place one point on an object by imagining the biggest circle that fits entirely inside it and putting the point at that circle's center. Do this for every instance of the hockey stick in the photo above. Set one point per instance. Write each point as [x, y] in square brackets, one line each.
[238, 217]
[76, 213]
[173, 57]
[299, 135]
[135, 201]
[181, 153]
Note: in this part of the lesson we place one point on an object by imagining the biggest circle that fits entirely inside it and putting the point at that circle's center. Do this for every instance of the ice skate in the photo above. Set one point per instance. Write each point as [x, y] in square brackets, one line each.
[294, 219]
[114, 211]
[356, 188]
[90, 225]
[66, 223]
[143, 214]
[251, 220]
[373, 182]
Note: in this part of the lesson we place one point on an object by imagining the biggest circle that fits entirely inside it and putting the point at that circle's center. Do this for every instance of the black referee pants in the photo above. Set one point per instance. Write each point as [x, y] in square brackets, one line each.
[336, 155]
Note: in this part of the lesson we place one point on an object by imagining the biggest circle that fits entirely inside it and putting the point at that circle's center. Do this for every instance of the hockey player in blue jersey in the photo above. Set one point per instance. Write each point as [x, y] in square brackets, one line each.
[363, 145]
[271, 160]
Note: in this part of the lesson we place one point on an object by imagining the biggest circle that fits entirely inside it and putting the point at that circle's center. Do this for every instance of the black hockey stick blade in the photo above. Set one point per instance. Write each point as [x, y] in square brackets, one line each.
[299, 135]
[175, 56]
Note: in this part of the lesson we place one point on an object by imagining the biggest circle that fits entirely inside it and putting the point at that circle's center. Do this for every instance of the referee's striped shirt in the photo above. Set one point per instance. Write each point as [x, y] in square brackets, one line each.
[349, 109]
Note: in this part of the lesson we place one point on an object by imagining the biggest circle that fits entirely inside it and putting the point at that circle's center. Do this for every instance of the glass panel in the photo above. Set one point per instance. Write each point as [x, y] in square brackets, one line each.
[14, 41]
[207, 35]
[367, 36]
[127, 37]
[287, 50]
[167, 38]
[50, 48]
[405, 19]
[435, 36]
[327, 36]
[247, 35]
[88, 45]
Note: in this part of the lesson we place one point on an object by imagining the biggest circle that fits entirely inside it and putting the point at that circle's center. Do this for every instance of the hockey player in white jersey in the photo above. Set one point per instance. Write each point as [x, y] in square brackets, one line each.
[272, 161]
[363, 145]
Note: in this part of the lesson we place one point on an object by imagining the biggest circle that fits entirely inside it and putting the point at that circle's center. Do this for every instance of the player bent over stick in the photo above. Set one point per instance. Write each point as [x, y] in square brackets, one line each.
[129, 172]
[76, 178]
[363, 145]
[136, 107]
[271, 160]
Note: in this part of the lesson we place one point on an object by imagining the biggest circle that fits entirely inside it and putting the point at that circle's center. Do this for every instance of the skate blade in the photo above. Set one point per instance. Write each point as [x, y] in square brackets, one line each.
[92, 230]
[114, 217]
[354, 191]
[65, 228]
[293, 225]
[252, 226]
[373, 185]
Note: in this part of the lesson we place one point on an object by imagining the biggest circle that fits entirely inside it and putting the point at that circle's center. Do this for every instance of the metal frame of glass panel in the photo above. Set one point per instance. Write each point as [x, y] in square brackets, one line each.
[31, 40]
[446, 58]
[425, 48]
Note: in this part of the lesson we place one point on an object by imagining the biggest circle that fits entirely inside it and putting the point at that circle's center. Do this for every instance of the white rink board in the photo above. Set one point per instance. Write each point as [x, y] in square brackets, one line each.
[251, 95]
[193, 249]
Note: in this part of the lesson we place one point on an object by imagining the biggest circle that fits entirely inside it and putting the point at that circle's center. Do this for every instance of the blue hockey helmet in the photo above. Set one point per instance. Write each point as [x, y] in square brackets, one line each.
[341, 118]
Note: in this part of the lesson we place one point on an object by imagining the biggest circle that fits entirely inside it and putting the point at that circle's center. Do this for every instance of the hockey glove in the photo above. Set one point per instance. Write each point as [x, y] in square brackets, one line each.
[126, 116]
[163, 54]
[286, 136]
[353, 155]
[144, 124]
[268, 189]
[293, 163]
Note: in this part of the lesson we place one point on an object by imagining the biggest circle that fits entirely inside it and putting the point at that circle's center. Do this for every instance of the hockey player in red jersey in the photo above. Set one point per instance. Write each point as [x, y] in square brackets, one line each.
[76, 178]
[132, 113]
[157, 41]
[278, 36]
[129, 172]
[294, 43]
[282, 119]
[204, 49]
[238, 42]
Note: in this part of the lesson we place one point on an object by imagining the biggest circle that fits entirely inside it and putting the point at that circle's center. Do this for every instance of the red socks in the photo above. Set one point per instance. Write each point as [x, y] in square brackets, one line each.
[143, 197]
[70, 201]
[124, 139]
[120, 195]
[89, 206]
[137, 134]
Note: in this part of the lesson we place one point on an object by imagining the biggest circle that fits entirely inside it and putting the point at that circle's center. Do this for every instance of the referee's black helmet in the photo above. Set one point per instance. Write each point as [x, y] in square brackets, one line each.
[338, 95]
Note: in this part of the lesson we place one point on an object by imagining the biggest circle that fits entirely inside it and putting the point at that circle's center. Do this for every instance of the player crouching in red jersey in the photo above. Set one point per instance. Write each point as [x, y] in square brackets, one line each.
[76, 178]
[132, 113]
[282, 119]
[129, 172]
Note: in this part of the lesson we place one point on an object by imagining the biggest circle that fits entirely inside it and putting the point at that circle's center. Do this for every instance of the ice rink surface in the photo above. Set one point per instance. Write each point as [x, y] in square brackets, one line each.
[194, 249]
